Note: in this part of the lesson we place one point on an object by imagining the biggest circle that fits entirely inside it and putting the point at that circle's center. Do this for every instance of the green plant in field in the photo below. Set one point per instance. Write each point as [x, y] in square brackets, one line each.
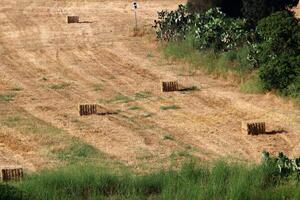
[171, 107]
[285, 166]
[77, 151]
[143, 95]
[59, 86]
[7, 97]
[134, 108]
[252, 85]
[168, 137]
[121, 99]
[12, 121]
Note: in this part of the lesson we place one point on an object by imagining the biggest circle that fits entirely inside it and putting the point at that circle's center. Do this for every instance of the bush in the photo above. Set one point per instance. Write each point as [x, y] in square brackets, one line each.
[255, 10]
[280, 72]
[278, 53]
[173, 25]
[211, 29]
[217, 31]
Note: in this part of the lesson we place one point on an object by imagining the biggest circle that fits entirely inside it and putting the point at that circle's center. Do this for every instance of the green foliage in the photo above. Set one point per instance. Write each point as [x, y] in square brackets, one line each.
[168, 137]
[172, 107]
[143, 95]
[220, 180]
[252, 85]
[120, 98]
[285, 167]
[8, 192]
[77, 151]
[59, 86]
[217, 63]
[226, 44]
[211, 29]
[255, 10]
[7, 97]
[217, 31]
[134, 108]
[173, 25]
[278, 53]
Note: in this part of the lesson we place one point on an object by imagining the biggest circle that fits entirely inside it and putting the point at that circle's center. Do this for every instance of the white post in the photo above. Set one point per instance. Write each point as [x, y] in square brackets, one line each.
[136, 23]
[135, 6]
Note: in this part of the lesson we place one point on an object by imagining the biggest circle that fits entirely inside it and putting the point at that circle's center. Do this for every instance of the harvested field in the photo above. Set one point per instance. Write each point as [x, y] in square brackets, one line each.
[56, 66]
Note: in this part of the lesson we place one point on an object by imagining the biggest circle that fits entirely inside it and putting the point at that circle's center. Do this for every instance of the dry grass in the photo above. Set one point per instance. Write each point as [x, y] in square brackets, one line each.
[40, 52]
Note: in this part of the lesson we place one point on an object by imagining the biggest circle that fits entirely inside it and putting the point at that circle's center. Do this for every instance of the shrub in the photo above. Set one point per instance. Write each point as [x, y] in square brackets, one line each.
[173, 25]
[280, 72]
[215, 30]
[278, 53]
[211, 29]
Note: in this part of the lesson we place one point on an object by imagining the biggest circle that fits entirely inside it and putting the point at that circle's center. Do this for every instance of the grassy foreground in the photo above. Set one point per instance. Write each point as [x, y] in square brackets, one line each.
[192, 181]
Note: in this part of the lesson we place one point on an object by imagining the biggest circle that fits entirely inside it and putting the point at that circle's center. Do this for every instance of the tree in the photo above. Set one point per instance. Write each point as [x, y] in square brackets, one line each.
[255, 10]
[231, 8]
[279, 50]
[202, 5]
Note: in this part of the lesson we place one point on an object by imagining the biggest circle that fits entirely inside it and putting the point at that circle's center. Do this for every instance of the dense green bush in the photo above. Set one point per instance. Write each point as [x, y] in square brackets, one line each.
[173, 25]
[211, 29]
[215, 30]
[278, 52]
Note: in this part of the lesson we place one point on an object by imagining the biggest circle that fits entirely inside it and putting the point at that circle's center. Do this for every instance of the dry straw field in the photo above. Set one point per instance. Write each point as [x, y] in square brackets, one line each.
[48, 67]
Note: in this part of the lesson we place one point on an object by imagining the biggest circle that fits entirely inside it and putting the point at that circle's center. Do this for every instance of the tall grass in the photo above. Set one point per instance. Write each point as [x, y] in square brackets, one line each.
[232, 64]
[222, 180]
